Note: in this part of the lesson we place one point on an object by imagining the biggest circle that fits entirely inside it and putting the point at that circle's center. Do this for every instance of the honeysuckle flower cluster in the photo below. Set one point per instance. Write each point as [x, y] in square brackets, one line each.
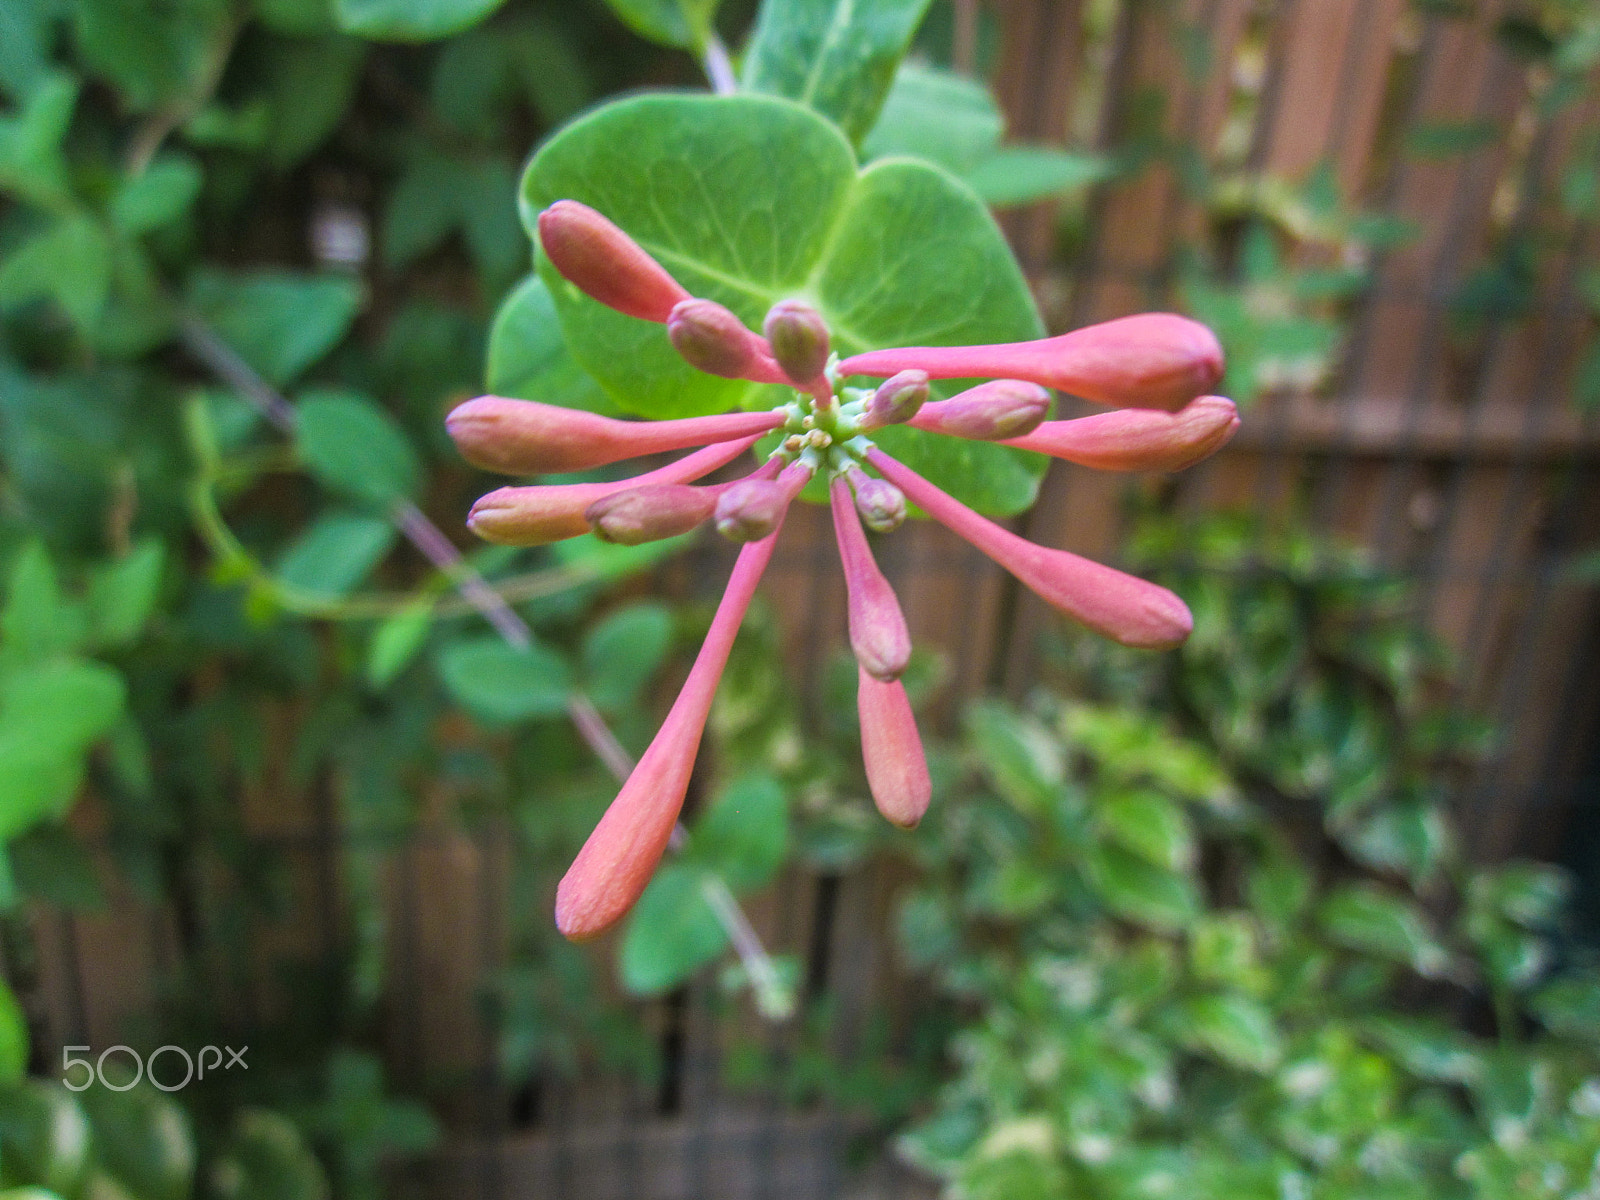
[1155, 369]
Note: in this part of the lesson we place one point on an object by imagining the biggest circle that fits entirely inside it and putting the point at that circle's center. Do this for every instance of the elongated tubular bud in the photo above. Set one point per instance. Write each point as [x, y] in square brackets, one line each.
[753, 508]
[616, 863]
[1123, 607]
[637, 515]
[897, 399]
[990, 412]
[878, 634]
[881, 505]
[534, 516]
[891, 750]
[713, 339]
[602, 261]
[798, 337]
[1138, 439]
[524, 437]
[1152, 360]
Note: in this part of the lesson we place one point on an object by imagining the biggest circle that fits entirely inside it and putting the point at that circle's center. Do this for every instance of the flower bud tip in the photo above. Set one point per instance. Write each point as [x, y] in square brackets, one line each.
[799, 340]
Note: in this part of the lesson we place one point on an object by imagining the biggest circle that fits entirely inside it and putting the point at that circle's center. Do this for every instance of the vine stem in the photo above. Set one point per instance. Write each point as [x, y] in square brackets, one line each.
[772, 998]
[718, 66]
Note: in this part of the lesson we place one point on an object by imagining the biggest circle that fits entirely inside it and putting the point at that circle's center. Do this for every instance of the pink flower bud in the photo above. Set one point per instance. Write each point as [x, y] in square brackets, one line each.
[616, 863]
[1005, 408]
[897, 399]
[602, 261]
[752, 509]
[891, 749]
[712, 339]
[878, 634]
[1153, 360]
[1126, 609]
[637, 515]
[881, 505]
[1139, 439]
[799, 340]
[524, 437]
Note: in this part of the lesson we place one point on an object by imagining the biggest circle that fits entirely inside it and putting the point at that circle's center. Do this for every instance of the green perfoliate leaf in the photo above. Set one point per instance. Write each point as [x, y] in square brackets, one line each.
[751, 200]
[411, 20]
[528, 357]
[335, 554]
[836, 56]
[744, 835]
[500, 682]
[671, 933]
[278, 322]
[622, 652]
[354, 447]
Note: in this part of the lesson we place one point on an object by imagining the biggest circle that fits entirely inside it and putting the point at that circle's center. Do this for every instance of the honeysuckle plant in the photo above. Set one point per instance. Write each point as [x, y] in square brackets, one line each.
[670, 229]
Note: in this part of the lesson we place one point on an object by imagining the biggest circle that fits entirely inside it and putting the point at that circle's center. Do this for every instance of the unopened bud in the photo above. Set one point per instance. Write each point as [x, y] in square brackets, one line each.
[751, 509]
[897, 400]
[604, 262]
[799, 339]
[713, 339]
[649, 513]
[1004, 408]
[882, 505]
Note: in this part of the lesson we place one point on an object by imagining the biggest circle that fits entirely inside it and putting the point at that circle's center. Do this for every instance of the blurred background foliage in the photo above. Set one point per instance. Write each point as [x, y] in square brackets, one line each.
[1195, 922]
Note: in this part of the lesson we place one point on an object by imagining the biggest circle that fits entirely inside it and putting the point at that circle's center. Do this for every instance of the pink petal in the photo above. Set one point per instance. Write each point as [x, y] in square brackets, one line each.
[1138, 439]
[713, 339]
[1000, 409]
[533, 516]
[891, 749]
[1126, 609]
[524, 437]
[604, 262]
[615, 864]
[1153, 360]
[878, 633]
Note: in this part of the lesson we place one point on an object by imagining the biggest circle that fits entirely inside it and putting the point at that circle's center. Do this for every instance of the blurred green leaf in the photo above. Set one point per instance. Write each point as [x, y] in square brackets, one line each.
[123, 593]
[396, 641]
[13, 1038]
[142, 1138]
[335, 553]
[1145, 894]
[528, 357]
[266, 1158]
[671, 933]
[1151, 826]
[411, 20]
[949, 119]
[744, 835]
[1364, 918]
[355, 447]
[500, 682]
[623, 652]
[1235, 1028]
[160, 194]
[1024, 174]
[31, 162]
[278, 322]
[69, 262]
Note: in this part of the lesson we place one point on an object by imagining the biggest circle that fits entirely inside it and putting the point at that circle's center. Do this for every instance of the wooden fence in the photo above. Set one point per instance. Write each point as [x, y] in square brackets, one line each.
[1464, 464]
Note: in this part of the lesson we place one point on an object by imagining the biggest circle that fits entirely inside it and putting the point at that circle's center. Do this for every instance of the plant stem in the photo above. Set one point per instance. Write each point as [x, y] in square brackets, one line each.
[771, 997]
[718, 66]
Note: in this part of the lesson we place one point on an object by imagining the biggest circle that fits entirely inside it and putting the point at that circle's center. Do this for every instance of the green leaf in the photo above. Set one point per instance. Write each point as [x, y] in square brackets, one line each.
[1361, 917]
[266, 1158]
[411, 20]
[31, 162]
[150, 51]
[671, 933]
[49, 717]
[35, 624]
[46, 1136]
[499, 682]
[528, 357]
[1025, 763]
[1235, 1028]
[69, 262]
[13, 1038]
[930, 113]
[1023, 174]
[278, 322]
[1151, 826]
[354, 447]
[1586, 381]
[745, 834]
[160, 194]
[53, 865]
[1146, 894]
[27, 31]
[122, 593]
[142, 1138]
[836, 56]
[311, 81]
[681, 23]
[752, 200]
[623, 651]
[397, 640]
[339, 550]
